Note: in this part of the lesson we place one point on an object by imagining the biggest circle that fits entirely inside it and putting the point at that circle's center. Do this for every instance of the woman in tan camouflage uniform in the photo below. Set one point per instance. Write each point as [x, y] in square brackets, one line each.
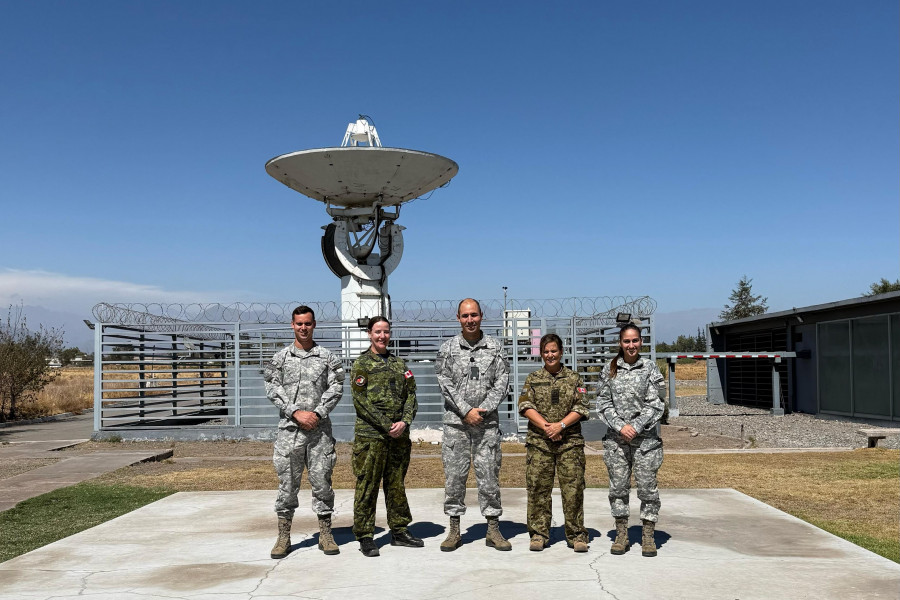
[384, 396]
[553, 400]
[630, 404]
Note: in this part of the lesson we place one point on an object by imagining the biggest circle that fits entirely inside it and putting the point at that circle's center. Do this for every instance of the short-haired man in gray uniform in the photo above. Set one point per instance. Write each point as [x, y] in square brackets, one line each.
[473, 373]
[305, 381]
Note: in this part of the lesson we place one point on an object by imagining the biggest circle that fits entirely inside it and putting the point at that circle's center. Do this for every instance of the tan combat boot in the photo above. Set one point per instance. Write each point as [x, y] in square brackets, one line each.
[620, 545]
[580, 546]
[283, 543]
[326, 540]
[494, 538]
[648, 546]
[537, 543]
[454, 539]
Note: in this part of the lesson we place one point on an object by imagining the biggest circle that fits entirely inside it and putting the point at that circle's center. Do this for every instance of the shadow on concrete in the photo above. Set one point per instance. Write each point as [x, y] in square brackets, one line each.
[427, 530]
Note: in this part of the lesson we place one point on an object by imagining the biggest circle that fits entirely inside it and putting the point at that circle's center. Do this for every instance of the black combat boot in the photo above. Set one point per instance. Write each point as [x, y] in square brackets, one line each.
[405, 538]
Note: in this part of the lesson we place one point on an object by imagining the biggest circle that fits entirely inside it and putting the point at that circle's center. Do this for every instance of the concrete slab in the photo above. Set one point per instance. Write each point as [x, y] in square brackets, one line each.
[205, 545]
[68, 428]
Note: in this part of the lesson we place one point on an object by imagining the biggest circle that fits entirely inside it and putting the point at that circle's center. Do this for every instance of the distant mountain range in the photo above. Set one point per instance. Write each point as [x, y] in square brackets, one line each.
[76, 333]
[683, 322]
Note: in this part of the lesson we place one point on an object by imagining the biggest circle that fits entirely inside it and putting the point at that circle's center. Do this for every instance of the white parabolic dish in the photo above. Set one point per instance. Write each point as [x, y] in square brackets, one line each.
[359, 176]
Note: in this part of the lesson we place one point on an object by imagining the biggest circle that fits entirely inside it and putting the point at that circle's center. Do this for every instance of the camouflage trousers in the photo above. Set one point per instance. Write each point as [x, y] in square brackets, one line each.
[377, 463]
[643, 456]
[296, 449]
[540, 469]
[461, 446]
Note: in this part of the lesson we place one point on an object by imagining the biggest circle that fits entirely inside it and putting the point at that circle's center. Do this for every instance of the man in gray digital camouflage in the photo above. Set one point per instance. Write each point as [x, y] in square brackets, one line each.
[473, 374]
[304, 380]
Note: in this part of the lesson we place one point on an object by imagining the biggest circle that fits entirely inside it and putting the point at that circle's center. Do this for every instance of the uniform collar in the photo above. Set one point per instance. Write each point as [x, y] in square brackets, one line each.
[620, 362]
[545, 374]
[464, 343]
[314, 351]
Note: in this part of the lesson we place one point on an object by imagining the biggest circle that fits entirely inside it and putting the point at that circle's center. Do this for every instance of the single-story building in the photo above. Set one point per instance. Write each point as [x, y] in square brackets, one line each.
[847, 358]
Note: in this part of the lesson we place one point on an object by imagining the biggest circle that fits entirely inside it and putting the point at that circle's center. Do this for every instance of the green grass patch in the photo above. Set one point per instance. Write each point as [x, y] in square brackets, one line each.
[888, 546]
[52, 516]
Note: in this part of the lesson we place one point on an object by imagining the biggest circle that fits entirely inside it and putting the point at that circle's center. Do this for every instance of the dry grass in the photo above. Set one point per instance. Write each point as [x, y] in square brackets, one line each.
[71, 391]
[690, 371]
[155, 377]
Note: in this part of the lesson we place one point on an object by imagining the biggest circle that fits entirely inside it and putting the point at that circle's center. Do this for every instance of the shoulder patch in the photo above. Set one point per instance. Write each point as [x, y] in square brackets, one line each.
[408, 374]
[360, 381]
[581, 390]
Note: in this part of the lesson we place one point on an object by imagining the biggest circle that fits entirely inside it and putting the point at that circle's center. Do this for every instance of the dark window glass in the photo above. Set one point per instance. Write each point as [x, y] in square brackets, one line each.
[834, 367]
[871, 370]
[895, 362]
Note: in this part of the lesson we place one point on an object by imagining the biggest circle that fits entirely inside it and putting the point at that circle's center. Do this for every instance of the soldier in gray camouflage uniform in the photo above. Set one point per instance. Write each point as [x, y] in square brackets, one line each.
[305, 382]
[553, 400]
[630, 405]
[473, 374]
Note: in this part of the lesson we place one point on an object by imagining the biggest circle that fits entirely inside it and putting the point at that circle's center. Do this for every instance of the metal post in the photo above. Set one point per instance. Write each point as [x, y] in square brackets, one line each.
[777, 410]
[237, 375]
[515, 378]
[142, 383]
[174, 375]
[574, 343]
[98, 375]
[673, 403]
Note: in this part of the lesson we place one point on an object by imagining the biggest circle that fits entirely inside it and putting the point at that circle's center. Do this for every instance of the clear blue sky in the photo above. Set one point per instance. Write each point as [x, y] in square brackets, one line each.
[605, 148]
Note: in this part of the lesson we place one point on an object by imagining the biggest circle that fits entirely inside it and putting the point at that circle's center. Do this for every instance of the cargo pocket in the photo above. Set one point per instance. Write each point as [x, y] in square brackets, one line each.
[651, 449]
[360, 453]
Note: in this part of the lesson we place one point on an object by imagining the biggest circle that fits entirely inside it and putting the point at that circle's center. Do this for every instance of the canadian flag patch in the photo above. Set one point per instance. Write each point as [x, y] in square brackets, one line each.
[581, 390]
[408, 374]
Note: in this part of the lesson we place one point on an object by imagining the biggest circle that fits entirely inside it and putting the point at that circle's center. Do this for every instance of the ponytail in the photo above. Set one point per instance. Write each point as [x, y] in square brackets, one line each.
[614, 365]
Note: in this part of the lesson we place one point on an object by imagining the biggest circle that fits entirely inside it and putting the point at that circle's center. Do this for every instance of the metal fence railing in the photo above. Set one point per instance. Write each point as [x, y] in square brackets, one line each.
[160, 378]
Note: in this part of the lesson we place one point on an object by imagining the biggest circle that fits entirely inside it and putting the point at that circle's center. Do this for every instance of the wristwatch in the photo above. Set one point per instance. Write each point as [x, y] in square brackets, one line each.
[562, 424]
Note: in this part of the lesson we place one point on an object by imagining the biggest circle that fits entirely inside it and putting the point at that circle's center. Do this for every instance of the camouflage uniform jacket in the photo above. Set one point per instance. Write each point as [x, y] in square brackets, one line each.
[538, 393]
[632, 396]
[297, 379]
[472, 376]
[384, 392]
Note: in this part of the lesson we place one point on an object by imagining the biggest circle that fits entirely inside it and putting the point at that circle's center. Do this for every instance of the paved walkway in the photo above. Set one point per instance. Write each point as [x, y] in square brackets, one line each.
[45, 440]
[716, 544]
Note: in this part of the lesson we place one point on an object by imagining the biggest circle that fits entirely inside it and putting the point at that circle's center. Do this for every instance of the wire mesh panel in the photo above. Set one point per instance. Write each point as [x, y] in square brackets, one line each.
[158, 372]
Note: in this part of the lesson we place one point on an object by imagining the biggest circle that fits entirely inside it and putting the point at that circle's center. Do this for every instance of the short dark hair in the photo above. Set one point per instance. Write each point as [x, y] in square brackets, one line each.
[375, 321]
[477, 303]
[303, 310]
[551, 337]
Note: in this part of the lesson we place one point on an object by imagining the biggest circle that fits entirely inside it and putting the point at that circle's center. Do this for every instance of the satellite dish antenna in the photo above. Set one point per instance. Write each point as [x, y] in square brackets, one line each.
[362, 185]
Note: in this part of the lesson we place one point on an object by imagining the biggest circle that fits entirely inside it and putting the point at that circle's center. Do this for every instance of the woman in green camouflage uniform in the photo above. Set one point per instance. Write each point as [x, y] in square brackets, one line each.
[630, 404]
[553, 400]
[384, 396]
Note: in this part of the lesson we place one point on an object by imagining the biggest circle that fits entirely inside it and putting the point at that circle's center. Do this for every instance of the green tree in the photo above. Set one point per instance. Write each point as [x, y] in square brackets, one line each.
[700, 345]
[883, 287]
[743, 302]
[24, 369]
[67, 355]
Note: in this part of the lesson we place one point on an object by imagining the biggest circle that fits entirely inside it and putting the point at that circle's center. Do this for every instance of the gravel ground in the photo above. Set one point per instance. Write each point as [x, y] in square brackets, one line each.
[795, 430]
[10, 467]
